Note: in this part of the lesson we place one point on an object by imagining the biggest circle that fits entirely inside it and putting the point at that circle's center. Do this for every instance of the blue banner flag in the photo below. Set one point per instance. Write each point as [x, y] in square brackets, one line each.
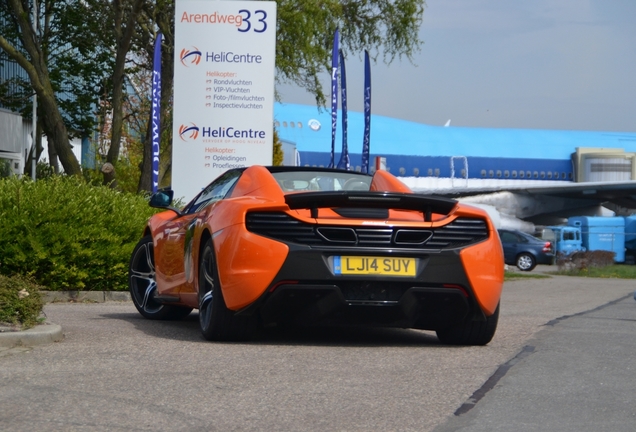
[366, 139]
[334, 95]
[156, 112]
[344, 156]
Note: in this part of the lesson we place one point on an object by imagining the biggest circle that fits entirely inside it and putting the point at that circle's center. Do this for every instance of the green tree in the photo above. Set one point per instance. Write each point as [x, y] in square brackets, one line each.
[386, 28]
[125, 14]
[74, 65]
[31, 54]
[64, 66]
[278, 155]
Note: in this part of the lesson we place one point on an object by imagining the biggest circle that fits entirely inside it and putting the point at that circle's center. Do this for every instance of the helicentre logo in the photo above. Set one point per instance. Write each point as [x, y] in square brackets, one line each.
[190, 57]
[188, 132]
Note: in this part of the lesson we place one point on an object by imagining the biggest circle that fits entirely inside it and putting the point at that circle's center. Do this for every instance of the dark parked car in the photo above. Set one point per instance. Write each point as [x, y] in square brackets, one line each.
[524, 250]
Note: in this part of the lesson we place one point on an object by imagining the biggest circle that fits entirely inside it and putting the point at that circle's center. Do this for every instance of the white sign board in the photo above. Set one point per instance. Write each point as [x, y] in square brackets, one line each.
[223, 89]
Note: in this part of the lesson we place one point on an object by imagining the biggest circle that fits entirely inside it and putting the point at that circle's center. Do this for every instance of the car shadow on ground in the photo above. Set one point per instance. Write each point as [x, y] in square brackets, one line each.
[187, 330]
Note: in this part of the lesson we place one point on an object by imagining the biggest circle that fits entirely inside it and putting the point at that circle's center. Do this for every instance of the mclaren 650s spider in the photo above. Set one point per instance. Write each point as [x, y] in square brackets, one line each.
[317, 246]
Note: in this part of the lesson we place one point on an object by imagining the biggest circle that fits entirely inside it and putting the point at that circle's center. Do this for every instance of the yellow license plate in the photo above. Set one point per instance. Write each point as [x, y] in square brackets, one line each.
[382, 266]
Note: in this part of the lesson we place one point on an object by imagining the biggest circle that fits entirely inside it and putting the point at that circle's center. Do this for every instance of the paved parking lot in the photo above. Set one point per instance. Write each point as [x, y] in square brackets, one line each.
[576, 375]
[118, 371]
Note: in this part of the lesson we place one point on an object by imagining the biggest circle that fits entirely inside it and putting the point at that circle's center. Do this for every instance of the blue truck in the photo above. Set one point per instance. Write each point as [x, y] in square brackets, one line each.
[615, 234]
[565, 239]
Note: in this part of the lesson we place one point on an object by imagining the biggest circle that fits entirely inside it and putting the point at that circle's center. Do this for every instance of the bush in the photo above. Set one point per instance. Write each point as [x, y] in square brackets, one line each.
[584, 260]
[67, 234]
[20, 301]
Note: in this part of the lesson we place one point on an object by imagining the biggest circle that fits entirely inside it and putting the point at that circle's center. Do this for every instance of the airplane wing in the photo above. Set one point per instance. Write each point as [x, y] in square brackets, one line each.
[538, 202]
[619, 193]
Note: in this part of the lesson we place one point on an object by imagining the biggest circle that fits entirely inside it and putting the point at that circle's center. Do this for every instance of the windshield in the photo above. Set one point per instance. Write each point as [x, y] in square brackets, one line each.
[297, 181]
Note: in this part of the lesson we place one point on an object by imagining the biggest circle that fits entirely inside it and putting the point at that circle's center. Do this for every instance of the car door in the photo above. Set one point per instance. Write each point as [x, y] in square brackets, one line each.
[174, 249]
[169, 255]
[510, 243]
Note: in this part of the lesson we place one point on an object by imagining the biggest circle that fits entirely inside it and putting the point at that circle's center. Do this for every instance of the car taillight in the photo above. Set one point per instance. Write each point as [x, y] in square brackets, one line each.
[547, 247]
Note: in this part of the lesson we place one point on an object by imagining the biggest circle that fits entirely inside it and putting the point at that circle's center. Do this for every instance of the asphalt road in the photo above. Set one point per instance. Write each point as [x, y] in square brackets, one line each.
[118, 371]
[578, 375]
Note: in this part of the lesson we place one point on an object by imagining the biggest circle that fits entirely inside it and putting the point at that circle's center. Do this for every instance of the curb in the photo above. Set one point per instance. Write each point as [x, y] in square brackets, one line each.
[85, 296]
[38, 335]
[48, 333]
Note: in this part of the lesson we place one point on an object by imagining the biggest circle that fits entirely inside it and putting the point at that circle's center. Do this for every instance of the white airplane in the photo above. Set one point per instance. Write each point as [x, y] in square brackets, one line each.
[522, 176]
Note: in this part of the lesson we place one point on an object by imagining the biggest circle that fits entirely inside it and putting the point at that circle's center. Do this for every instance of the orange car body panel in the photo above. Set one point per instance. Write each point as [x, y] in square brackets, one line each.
[483, 263]
[257, 181]
[383, 181]
[247, 264]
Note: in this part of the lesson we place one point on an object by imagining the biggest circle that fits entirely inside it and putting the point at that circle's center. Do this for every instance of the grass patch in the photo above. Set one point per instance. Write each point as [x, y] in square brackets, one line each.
[614, 271]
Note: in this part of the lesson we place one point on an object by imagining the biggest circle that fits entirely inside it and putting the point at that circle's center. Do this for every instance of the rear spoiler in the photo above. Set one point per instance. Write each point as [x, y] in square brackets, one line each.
[427, 204]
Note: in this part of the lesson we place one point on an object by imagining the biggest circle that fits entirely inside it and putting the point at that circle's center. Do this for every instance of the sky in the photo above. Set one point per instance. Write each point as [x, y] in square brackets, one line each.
[541, 64]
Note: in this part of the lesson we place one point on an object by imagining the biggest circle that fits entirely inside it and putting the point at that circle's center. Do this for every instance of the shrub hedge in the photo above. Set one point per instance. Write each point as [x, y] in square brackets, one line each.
[20, 301]
[68, 235]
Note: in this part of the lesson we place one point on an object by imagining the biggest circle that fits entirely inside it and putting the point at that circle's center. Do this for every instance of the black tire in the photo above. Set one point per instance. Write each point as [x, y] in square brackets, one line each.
[217, 322]
[470, 332]
[142, 285]
[526, 262]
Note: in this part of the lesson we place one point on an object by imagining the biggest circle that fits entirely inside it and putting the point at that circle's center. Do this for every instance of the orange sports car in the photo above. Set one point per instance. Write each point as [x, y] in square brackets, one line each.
[300, 245]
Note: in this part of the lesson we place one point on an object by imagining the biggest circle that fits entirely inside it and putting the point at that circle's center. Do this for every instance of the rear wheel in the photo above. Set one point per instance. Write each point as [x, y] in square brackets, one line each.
[218, 323]
[525, 262]
[470, 332]
[143, 285]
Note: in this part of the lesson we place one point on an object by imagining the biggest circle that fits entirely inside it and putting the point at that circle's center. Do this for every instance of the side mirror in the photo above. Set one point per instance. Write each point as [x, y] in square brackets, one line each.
[162, 199]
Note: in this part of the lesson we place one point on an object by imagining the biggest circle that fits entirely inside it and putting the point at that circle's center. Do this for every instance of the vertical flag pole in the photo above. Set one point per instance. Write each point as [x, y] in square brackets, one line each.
[366, 141]
[334, 95]
[344, 162]
[156, 111]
